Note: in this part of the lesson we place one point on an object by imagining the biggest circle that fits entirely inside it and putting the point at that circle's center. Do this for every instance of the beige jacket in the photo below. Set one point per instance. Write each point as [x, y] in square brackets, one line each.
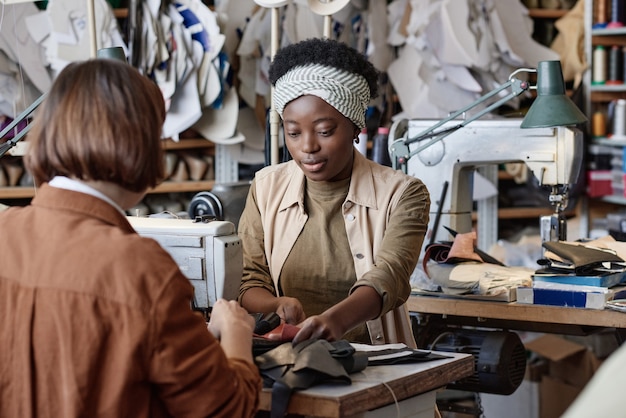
[368, 209]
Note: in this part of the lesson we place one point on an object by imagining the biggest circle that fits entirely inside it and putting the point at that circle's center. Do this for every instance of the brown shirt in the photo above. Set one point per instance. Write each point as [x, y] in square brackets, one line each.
[96, 321]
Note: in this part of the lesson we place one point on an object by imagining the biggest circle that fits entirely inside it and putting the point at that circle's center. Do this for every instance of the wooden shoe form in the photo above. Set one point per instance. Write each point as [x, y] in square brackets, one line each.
[196, 165]
[181, 174]
[14, 172]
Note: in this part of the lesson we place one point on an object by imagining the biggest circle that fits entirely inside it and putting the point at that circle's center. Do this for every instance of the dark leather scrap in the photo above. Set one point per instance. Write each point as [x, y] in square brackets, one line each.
[288, 368]
[579, 255]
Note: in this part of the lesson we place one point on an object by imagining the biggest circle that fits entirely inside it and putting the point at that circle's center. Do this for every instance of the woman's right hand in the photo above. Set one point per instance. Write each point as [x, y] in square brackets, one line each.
[228, 314]
[290, 310]
[233, 326]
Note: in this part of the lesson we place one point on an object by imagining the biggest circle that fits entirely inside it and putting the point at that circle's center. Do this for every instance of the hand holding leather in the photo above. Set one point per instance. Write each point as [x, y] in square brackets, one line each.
[228, 314]
[318, 327]
[290, 310]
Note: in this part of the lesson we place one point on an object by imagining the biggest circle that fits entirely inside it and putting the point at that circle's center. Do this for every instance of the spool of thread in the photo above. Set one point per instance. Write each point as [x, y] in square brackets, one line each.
[600, 14]
[616, 14]
[599, 65]
[598, 124]
[380, 150]
[624, 63]
[619, 120]
[615, 70]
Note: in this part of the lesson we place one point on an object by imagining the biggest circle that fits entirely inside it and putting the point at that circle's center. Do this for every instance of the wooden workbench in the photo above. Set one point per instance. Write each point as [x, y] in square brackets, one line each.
[512, 315]
[377, 388]
[513, 311]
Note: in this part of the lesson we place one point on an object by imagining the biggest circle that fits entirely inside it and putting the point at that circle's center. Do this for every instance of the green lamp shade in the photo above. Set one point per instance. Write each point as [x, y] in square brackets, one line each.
[552, 107]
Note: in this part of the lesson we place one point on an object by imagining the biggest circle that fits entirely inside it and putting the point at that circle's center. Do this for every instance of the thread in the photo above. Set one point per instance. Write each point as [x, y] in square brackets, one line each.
[600, 14]
[598, 125]
[615, 71]
[619, 120]
[599, 65]
[616, 14]
[623, 61]
[380, 148]
[395, 399]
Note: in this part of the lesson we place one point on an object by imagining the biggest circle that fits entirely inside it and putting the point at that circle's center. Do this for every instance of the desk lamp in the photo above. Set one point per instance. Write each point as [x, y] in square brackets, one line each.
[551, 108]
[552, 150]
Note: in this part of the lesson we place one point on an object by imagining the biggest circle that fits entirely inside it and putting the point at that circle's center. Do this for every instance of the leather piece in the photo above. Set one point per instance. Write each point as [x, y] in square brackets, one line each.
[579, 255]
[283, 332]
[288, 368]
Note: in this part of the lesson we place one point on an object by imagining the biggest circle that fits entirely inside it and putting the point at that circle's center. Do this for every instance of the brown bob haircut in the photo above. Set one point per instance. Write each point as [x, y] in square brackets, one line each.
[101, 121]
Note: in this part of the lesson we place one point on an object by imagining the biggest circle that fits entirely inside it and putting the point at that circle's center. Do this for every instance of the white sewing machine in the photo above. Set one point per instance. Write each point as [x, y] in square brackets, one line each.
[208, 253]
[554, 155]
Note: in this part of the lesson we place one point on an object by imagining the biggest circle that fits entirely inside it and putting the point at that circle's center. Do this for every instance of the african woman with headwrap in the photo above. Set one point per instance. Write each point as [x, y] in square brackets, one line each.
[330, 238]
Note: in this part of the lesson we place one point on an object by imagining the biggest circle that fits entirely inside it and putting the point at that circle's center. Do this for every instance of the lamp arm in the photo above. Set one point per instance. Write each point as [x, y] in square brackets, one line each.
[4, 148]
[518, 88]
[400, 148]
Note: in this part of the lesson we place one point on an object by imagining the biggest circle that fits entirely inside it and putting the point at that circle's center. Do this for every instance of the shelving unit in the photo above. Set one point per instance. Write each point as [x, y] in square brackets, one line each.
[28, 192]
[225, 169]
[598, 98]
[601, 94]
[547, 13]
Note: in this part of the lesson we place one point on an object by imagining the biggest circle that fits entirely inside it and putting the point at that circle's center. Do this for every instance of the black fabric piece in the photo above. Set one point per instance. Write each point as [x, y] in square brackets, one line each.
[263, 345]
[579, 255]
[595, 269]
[400, 356]
[288, 368]
[264, 323]
[281, 393]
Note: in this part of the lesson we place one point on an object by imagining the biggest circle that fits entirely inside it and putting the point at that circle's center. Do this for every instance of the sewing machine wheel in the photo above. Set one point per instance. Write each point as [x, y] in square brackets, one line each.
[206, 204]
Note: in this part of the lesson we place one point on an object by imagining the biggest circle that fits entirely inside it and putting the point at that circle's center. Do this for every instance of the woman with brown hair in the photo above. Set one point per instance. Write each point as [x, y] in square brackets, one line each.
[96, 320]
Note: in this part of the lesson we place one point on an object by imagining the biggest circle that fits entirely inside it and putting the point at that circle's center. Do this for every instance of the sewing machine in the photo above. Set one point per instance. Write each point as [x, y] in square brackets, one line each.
[554, 155]
[208, 253]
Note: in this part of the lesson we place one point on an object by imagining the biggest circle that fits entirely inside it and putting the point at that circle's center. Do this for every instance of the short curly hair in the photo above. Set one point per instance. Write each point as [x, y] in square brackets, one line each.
[327, 52]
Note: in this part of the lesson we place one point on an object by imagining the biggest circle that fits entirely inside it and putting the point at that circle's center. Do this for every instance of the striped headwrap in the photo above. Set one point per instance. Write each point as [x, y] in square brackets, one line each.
[347, 92]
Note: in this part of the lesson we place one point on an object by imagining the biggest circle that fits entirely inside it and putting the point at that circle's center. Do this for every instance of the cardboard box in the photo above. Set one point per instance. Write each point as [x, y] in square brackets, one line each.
[570, 366]
[555, 397]
[578, 296]
[560, 297]
[568, 361]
